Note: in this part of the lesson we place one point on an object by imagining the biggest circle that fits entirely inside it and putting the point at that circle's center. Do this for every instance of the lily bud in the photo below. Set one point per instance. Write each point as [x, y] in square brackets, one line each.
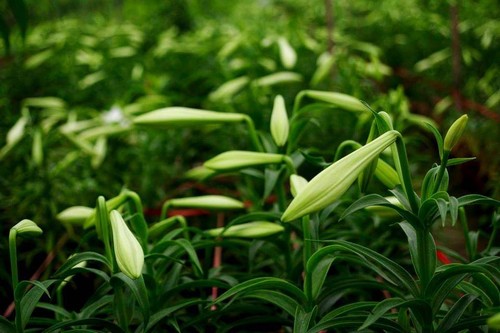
[27, 228]
[341, 100]
[455, 132]
[215, 202]
[128, 251]
[330, 184]
[279, 122]
[287, 53]
[238, 159]
[75, 215]
[199, 173]
[182, 116]
[247, 230]
[297, 184]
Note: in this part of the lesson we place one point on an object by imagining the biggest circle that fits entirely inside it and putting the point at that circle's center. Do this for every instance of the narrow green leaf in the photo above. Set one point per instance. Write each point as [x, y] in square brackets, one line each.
[302, 319]
[348, 309]
[30, 299]
[188, 247]
[453, 207]
[138, 288]
[439, 139]
[61, 273]
[455, 313]
[264, 283]
[475, 199]
[6, 326]
[277, 298]
[99, 323]
[351, 323]
[270, 179]
[315, 278]
[468, 323]
[443, 210]
[457, 161]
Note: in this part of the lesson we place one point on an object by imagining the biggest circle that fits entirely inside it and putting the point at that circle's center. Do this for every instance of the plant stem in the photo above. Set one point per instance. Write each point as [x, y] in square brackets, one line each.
[306, 235]
[15, 278]
[120, 308]
[442, 169]
[253, 134]
[103, 221]
[465, 228]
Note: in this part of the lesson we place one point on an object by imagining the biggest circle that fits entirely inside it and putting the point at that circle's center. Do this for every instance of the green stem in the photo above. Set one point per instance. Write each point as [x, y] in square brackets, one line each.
[103, 221]
[345, 144]
[164, 209]
[493, 238]
[426, 256]
[465, 228]
[253, 134]
[289, 164]
[15, 278]
[405, 175]
[306, 234]
[442, 169]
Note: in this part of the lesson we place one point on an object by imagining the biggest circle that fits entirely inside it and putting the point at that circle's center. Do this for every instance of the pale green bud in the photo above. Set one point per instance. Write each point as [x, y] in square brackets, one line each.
[238, 159]
[17, 131]
[37, 147]
[330, 184]
[455, 132]
[229, 89]
[215, 202]
[27, 228]
[494, 321]
[287, 53]
[279, 122]
[68, 278]
[386, 174]
[182, 116]
[297, 184]
[75, 215]
[386, 212]
[247, 230]
[199, 173]
[341, 100]
[128, 251]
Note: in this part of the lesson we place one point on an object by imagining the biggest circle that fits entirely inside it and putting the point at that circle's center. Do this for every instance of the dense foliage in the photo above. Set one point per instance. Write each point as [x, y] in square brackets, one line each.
[197, 166]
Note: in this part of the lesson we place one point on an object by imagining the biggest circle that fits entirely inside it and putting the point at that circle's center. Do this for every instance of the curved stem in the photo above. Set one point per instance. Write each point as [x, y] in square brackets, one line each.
[253, 134]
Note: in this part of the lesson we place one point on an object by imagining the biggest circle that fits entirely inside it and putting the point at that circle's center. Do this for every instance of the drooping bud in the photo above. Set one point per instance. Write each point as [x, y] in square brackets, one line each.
[279, 122]
[128, 251]
[75, 215]
[297, 183]
[199, 173]
[330, 184]
[455, 132]
[182, 116]
[238, 159]
[27, 228]
[213, 202]
[343, 101]
[247, 230]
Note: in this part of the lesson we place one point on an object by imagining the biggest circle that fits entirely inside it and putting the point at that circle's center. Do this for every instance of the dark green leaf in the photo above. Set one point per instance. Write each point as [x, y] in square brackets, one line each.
[453, 207]
[264, 283]
[314, 160]
[475, 199]
[277, 298]
[140, 228]
[315, 277]
[351, 323]
[30, 299]
[138, 288]
[302, 319]
[62, 272]
[455, 313]
[457, 161]
[439, 139]
[270, 179]
[6, 326]
[99, 323]
[347, 309]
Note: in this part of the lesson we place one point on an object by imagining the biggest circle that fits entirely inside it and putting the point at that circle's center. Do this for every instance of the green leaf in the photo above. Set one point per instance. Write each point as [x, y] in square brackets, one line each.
[390, 270]
[315, 278]
[92, 307]
[453, 207]
[264, 283]
[270, 179]
[62, 272]
[455, 313]
[302, 319]
[457, 161]
[314, 160]
[188, 247]
[382, 307]
[443, 210]
[347, 309]
[140, 227]
[277, 298]
[101, 324]
[468, 323]
[475, 199]
[350, 323]
[30, 299]
[56, 309]
[6, 326]
[165, 312]
[140, 292]
[428, 183]
[378, 200]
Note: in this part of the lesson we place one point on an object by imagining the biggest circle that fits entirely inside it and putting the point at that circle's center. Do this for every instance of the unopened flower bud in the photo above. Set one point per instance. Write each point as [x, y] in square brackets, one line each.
[128, 251]
[214, 202]
[238, 159]
[75, 215]
[279, 122]
[455, 132]
[330, 184]
[247, 230]
[27, 228]
[297, 183]
[182, 116]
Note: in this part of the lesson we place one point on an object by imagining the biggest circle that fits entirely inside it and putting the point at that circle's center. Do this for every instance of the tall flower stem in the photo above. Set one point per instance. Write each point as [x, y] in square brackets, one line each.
[15, 277]
[406, 176]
